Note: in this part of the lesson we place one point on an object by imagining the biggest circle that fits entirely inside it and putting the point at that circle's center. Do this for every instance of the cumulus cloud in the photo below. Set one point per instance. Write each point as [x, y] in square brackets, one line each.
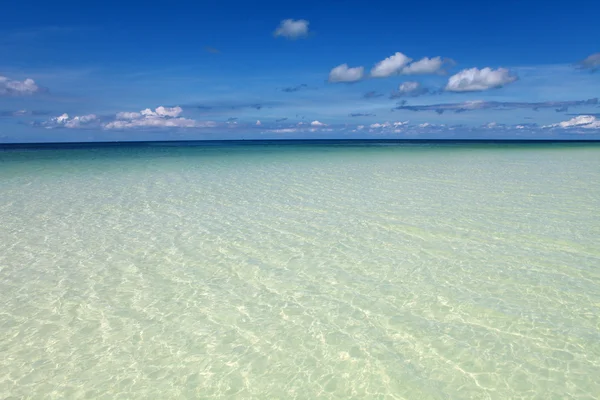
[11, 87]
[258, 123]
[425, 66]
[292, 29]
[412, 89]
[581, 121]
[161, 117]
[392, 65]
[474, 80]
[591, 63]
[317, 123]
[72, 122]
[495, 105]
[343, 73]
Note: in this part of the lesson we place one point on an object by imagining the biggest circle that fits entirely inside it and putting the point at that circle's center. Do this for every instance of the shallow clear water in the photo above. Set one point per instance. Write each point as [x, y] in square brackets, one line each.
[301, 271]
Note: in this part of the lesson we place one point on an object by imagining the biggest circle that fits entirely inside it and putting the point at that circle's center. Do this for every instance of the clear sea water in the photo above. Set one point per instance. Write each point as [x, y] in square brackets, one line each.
[300, 271]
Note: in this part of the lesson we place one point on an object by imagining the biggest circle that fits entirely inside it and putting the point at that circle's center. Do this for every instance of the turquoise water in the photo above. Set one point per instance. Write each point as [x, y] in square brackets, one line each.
[466, 271]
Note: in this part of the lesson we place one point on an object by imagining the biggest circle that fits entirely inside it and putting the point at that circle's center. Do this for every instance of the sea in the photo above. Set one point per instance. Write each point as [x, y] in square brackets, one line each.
[300, 270]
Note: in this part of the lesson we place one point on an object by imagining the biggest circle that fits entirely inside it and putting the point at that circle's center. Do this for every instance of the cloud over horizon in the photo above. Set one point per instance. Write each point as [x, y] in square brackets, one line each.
[581, 121]
[161, 117]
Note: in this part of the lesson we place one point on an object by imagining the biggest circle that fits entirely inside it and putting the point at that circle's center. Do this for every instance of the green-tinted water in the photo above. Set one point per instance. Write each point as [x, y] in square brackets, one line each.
[301, 271]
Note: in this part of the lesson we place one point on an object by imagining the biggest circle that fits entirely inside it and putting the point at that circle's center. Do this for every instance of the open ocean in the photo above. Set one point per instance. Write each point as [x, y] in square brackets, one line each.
[300, 270]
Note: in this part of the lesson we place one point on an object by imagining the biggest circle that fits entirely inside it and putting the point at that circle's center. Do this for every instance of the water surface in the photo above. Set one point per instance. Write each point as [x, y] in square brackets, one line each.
[300, 270]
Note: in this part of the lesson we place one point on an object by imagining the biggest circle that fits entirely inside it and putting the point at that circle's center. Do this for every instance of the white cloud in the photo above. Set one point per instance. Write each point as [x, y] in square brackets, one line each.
[473, 79]
[580, 121]
[390, 66]
[424, 66]
[377, 125]
[12, 87]
[292, 29]
[317, 123]
[408, 87]
[76, 122]
[168, 112]
[343, 73]
[161, 117]
[258, 122]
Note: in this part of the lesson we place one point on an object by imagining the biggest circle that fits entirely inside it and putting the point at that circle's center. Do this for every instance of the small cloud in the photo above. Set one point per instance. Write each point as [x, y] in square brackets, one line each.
[292, 29]
[292, 89]
[343, 73]
[317, 123]
[412, 89]
[283, 130]
[75, 122]
[11, 87]
[161, 117]
[361, 115]
[474, 80]
[258, 123]
[377, 125]
[581, 121]
[372, 95]
[390, 66]
[211, 50]
[426, 66]
[591, 63]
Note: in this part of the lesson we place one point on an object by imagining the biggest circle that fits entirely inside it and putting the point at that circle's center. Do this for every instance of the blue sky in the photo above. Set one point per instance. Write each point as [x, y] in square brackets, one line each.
[229, 70]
